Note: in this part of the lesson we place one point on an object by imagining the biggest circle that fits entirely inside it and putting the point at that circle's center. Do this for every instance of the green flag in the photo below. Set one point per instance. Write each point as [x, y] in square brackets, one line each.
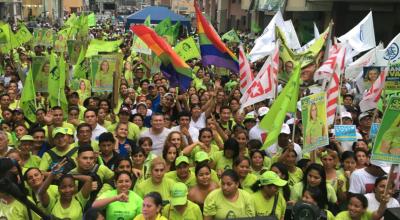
[71, 20]
[56, 83]
[91, 19]
[285, 102]
[28, 96]
[80, 68]
[23, 35]
[187, 49]
[163, 27]
[231, 36]
[97, 46]
[7, 39]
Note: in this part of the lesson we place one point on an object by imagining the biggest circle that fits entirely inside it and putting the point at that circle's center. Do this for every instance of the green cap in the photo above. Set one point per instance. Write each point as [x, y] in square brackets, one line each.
[179, 193]
[201, 156]
[181, 159]
[26, 138]
[61, 130]
[270, 177]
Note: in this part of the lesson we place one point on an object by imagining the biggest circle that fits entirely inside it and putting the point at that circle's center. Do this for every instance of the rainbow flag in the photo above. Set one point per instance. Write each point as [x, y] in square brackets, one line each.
[173, 67]
[213, 50]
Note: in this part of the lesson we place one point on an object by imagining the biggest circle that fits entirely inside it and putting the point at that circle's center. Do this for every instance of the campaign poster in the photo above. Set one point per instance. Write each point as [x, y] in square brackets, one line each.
[387, 142]
[43, 36]
[40, 72]
[74, 49]
[345, 133]
[60, 44]
[314, 121]
[370, 75]
[374, 131]
[393, 77]
[103, 69]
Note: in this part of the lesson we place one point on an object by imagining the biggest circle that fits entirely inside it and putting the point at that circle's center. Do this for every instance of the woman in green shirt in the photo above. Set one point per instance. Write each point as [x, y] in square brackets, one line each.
[229, 201]
[222, 160]
[315, 126]
[121, 203]
[204, 184]
[357, 209]
[283, 173]
[241, 166]
[268, 201]
[288, 158]
[257, 162]
[152, 206]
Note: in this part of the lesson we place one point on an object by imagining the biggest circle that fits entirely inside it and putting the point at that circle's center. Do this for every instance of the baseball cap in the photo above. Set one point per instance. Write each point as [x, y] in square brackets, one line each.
[61, 130]
[152, 85]
[345, 115]
[179, 193]
[285, 129]
[270, 177]
[201, 156]
[125, 110]
[249, 117]
[181, 159]
[26, 138]
[263, 111]
[363, 115]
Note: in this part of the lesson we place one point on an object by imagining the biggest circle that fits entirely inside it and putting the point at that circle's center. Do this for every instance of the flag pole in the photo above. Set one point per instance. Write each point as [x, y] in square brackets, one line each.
[294, 126]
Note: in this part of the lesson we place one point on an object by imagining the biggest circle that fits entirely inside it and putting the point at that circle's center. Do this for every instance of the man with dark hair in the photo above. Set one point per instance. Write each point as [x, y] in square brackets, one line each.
[84, 137]
[90, 117]
[56, 119]
[158, 133]
[190, 134]
[73, 100]
[40, 145]
[107, 152]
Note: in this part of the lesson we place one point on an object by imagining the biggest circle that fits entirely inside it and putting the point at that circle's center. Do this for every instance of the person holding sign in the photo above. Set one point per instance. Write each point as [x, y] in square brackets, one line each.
[104, 77]
[391, 139]
[315, 127]
[42, 78]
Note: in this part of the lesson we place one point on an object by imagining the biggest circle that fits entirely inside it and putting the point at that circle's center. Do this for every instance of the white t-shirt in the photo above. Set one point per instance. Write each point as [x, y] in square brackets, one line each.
[361, 182]
[257, 134]
[373, 204]
[194, 133]
[200, 123]
[97, 131]
[274, 149]
[158, 140]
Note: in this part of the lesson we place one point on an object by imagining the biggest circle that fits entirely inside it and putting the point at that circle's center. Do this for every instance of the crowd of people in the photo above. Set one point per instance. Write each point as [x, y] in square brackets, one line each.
[164, 153]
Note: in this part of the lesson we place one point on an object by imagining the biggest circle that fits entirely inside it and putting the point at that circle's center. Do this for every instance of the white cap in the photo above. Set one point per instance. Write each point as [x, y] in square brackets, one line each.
[285, 129]
[362, 115]
[263, 111]
[345, 115]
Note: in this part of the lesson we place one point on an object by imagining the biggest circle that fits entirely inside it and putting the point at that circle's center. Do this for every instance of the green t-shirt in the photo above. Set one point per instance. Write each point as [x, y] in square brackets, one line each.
[93, 144]
[133, 130]
[164, 188]
[123, 210]
[103, 172]
[248, 181]
[46, 162]
[192, 212]
[15, 211]
[295, 177]
[213, 148]
[296, 192]
[221, 162]
[191, 181]
[214, 175]
[344, 215]
[73, 212]
[219, 207]
[264, 206]
[33, 161]
[314, 130]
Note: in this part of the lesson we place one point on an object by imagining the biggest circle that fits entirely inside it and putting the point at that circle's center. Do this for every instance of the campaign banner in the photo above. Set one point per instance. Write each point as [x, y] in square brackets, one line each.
[314, 120]
[74, 49]
[103, 69]
[43, 36]
[387, 142]
[393, 77]
[345, 133]
[41, 72]
[374, 130]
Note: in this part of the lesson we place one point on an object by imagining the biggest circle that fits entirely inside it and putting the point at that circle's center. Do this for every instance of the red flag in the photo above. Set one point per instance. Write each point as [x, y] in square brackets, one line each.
[331, 69]
[372, 95]
[246, 76]
[265, 83]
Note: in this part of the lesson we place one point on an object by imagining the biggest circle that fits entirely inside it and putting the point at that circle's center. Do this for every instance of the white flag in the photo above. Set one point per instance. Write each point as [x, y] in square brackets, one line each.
[371, 96]
[245, 74]
[316, 31]
[265, 83]
[326, 70]
[362, 36]
[265, 44]
[355, 69]
[291, 35]
[391, 54]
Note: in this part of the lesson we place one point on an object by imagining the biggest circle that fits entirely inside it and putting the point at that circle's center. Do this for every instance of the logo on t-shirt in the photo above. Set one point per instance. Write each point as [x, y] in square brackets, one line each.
[231, 214]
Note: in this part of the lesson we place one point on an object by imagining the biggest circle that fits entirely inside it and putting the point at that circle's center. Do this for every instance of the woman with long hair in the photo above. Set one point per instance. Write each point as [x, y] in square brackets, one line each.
[315, 127]
[204, 184]
[241, 165]
[152, 207]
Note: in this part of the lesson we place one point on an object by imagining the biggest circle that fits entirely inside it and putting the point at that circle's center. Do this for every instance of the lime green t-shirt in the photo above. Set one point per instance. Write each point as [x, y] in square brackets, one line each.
[248, 181]
[219, 207]
[33, 161]
[213, 148]
[221, 162]
[295, 177]
[123, 210]
[103, 172]
[15, 210]
[159, 217]
[164, 188]
[93, 144]
[344, 215]
[133, 130]
[73, 212]
[46, 161]
[192, 212]
[296, 192]
[191, 181]
[214, 175]
[264, 206]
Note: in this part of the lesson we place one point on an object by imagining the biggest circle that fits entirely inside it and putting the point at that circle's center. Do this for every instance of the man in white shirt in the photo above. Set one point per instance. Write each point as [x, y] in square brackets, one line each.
[256, 132]
[158, 133]
[190, 134]
[90, 117]
[363, 180]
[284, 139]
